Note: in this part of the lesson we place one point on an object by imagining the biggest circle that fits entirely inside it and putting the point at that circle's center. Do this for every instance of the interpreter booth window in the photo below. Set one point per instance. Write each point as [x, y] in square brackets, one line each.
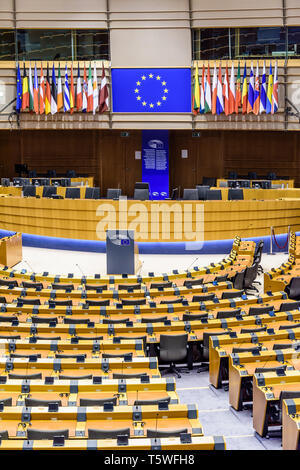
[293, 41]
[43, 44]
[259, 42]
[212, 43]
[91, 45]
[7, 44]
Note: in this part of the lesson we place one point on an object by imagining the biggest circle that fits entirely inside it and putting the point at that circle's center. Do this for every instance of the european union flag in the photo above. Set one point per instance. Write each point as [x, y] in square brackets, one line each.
[151, 90]
[19, 90]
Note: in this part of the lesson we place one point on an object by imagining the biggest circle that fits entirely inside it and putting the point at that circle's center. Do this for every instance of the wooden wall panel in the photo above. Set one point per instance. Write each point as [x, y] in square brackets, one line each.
[110, 158]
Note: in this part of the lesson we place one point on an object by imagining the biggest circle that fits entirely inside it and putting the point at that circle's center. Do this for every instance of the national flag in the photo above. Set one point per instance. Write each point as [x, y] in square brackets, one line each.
[207, 106]
[244, 91]
[53, 93]
[35, 92]
[251, 91]
[232, 91]
[214, 91]
[90, 91]
[25, 91]
[220, 102]
[275, 91]
[95, 90]
[226, 92]
[72, 93]
[47, 93]
[238, 91]
[269, 91]
[66, 92]
[202, 91]
[84, 91]
[42, 92]
[59, 91]
[19, 90]
[196, 92]
[78, 91]
[256, 92]
[103, 97]
[263, 92]
[30, 86]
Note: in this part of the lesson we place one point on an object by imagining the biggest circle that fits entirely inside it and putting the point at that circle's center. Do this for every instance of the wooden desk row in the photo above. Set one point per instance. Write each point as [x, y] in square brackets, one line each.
[232, 259]
[182, 221]
[175, 443]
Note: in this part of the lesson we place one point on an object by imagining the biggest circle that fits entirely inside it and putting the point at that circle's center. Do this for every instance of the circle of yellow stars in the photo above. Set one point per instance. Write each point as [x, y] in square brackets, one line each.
[151, 104]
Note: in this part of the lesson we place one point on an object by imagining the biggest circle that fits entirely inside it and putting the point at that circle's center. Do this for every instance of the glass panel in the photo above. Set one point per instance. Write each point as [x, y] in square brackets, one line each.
[37, 44]
[294, 41]
[212, 43]
[260, 42]
[7, 44]
[91, 44]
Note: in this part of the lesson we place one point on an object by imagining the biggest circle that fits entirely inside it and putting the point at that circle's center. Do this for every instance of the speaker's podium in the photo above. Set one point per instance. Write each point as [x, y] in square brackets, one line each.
[121, 252]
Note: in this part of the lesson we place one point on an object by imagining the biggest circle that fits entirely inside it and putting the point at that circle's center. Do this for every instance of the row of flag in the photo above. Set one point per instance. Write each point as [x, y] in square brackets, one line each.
[229, 96]
[62, 93]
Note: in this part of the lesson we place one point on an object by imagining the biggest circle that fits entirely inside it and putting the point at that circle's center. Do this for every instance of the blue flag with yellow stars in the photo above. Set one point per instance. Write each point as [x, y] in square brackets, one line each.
[19, 90]
[151, 90]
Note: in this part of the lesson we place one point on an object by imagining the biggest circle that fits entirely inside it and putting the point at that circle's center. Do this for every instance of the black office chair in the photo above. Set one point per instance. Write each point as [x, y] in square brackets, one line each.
[188, 283]
[221, 278]
[209, 181]
[71, 174]
[202, 192]
[260, 310]
[190, 195]
[205, 349]
[238, 280]
[229, 313]
[72, 193]
[161, 285]
[31, 174]
[194, 316]
[173, 349]
[252, 175]
[97, 303]
[96, 193]
[288, 306]
[271, 175]
[293, 288]
[204, 297]
[141, 194]
[249, 278]
[51, 174]
[49, 191]
[232, 294]
[29, 191]
[108, 433]
[39, 434]
[142, 185]
[113, 193]
[65, 182]
[89, 193]
[214, 195]
[5, 182]
[232, 175]
[235, 194]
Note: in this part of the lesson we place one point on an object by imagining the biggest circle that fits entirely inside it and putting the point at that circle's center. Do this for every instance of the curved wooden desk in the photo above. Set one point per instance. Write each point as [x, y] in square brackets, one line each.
[86, 219]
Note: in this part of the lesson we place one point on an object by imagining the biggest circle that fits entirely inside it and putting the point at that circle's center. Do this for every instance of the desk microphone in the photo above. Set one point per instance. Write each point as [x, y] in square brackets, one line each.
[29, 265]
[80, 269]
[193, 262]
